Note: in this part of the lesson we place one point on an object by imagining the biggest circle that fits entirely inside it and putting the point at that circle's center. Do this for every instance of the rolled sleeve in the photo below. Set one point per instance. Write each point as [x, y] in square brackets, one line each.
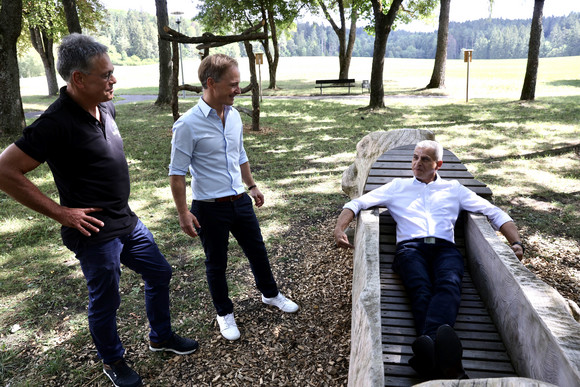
[353, 206]
[182, 144]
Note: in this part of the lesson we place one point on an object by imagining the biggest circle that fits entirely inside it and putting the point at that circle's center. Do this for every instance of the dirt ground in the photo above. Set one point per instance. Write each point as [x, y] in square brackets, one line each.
[309, 348]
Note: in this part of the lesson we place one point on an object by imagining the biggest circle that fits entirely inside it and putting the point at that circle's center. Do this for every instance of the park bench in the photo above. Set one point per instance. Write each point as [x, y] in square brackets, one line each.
[324, 83]
[485, 355]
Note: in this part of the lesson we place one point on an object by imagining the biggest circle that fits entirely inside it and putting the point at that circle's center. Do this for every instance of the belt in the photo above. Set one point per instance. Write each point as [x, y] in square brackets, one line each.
[230, 198]
[427, 240]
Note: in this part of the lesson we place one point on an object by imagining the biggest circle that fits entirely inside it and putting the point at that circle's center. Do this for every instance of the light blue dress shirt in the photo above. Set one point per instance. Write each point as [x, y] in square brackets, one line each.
[427, 210]
[211, 151]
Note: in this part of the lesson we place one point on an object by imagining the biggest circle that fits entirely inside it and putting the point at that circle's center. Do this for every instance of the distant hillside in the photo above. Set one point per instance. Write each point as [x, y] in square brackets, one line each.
[133, 36]
[489, 38]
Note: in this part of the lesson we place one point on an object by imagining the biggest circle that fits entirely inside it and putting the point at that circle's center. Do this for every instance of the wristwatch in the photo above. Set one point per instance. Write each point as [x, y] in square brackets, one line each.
[521, 245]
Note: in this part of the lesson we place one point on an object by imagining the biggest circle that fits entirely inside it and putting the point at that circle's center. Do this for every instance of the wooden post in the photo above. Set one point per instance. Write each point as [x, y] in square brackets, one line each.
[467, 55]
[175, 80]
[208, 41]
[254, 83]
[259, 61]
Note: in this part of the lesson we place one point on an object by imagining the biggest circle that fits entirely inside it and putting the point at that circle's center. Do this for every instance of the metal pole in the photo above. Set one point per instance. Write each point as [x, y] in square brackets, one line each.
[260, 77]
[181, 57]
[467, 86]
[178, 21]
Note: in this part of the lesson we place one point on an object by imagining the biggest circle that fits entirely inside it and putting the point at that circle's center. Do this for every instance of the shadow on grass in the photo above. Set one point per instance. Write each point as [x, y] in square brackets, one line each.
[565, 82]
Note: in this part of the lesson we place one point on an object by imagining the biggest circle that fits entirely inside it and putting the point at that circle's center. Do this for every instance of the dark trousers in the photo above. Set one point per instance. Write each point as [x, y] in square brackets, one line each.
[217, 220]
[432, 276]
[101, 265]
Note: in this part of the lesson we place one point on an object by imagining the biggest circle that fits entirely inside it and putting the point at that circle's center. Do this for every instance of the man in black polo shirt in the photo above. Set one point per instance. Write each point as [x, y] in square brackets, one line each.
[78, 138]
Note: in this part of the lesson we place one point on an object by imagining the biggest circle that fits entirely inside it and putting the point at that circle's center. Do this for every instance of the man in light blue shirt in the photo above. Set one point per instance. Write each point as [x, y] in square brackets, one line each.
[425, 209]
[208, 142]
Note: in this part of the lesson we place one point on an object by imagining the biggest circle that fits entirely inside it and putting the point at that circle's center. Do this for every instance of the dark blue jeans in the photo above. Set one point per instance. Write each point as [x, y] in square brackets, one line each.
[432, 275]
[217, 220]
[101, 265]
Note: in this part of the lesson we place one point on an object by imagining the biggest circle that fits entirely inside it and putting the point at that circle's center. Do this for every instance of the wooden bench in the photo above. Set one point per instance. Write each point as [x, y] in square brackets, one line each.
[485, 355]
[324, 83]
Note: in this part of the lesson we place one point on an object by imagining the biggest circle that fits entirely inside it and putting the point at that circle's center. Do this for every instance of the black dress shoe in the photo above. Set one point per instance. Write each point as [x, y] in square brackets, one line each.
[448, 353]
[423, 361]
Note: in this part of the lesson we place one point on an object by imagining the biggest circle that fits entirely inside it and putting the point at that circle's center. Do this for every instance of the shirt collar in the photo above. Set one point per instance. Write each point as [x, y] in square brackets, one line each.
[206, 109]
[436, 181]
[67, 99]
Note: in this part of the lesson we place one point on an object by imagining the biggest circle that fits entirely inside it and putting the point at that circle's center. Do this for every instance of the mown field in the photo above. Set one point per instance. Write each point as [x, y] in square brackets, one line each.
[527, 152]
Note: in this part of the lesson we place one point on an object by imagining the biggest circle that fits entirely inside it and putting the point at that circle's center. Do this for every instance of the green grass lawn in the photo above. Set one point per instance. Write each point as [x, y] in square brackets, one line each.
[297, 159]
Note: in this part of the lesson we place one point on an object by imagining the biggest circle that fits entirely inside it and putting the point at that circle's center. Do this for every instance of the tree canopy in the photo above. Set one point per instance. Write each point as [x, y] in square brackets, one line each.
[231, 16]
[490, 39]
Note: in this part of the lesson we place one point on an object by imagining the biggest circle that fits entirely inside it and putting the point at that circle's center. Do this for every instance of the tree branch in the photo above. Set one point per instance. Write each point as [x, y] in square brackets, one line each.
[207, 38]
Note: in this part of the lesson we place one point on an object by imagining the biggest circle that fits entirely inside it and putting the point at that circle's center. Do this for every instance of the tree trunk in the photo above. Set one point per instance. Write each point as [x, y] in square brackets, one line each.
[255, 91]
[72, 16]
[11, 113]
[165, 63]
[383, 25]
[438, 76]
[377, 94]
[344, 47]
[43, 45]
[272, 59]
[343, 60]
[175, 80]
[529, 88]
[345, 66]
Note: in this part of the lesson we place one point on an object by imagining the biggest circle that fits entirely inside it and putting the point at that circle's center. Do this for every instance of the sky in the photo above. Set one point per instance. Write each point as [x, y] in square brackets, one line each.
[461, 10]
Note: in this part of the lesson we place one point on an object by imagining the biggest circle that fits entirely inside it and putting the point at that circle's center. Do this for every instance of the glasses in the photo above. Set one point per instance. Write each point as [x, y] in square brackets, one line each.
[105, 77]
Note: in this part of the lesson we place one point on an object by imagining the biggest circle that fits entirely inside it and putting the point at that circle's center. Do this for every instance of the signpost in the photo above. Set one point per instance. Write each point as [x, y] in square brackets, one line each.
[259, 61]
[178, 21]
[467, 56]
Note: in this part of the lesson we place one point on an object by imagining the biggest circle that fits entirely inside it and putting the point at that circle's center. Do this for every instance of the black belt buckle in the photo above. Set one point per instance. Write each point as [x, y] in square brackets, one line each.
[429, 240]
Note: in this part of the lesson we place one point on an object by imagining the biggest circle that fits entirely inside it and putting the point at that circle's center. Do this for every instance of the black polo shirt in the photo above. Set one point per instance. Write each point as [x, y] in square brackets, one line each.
[88, 164]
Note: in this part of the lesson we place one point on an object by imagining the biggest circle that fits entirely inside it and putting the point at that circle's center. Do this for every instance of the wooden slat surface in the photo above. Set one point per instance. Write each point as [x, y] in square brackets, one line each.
[483, 350]
[397, 163]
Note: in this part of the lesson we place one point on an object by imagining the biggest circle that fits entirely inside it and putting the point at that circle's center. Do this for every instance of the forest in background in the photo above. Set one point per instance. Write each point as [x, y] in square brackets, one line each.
[132, 40]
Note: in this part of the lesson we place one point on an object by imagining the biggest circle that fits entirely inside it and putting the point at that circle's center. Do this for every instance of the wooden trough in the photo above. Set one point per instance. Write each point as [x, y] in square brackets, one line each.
[512, 325]
[485, 355]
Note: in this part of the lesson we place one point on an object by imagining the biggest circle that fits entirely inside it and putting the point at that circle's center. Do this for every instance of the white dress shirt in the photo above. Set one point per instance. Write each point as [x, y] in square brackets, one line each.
[210, 150]
[427, 210]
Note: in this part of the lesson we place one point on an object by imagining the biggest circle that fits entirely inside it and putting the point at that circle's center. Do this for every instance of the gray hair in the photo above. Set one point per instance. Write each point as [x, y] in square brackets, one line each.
[429, 144]
[76, 53]
[214, 66]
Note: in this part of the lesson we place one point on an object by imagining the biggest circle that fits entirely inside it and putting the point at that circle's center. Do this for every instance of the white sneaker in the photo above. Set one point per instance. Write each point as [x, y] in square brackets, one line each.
[284, 304]
[228, 327]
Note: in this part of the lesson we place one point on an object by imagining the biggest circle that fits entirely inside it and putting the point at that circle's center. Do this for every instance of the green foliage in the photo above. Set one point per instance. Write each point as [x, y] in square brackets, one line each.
[234, 16]
[490, 39]
[48, 15]
[45, 15]
[130, 34]
[410, 10]
[132, 37]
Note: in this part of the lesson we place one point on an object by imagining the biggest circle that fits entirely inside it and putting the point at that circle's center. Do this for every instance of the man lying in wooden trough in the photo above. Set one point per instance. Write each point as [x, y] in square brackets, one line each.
[425, 209]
